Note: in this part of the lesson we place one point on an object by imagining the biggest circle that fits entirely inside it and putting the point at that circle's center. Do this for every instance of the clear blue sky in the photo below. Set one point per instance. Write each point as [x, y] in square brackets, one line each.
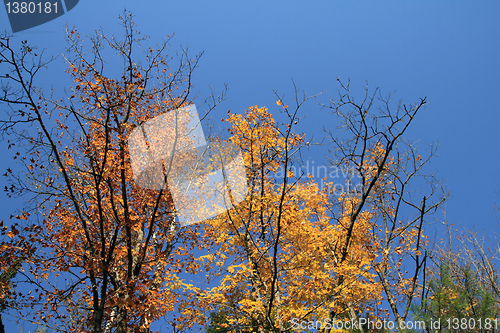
[448, 51]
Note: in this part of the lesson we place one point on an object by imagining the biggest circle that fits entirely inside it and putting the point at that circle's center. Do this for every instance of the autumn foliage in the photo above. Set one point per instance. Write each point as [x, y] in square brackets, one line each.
[277, 249]
[102, 254]
[295, 251]
[105, 258]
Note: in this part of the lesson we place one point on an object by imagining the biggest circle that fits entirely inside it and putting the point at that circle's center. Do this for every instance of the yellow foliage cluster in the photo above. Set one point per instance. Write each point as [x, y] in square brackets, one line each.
[279, 251]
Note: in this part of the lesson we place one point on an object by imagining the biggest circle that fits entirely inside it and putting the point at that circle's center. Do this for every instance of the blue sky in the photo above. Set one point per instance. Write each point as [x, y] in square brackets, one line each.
[448, 51]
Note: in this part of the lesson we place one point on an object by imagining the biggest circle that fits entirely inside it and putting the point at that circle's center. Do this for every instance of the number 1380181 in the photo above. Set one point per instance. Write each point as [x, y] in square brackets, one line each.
[31, 7]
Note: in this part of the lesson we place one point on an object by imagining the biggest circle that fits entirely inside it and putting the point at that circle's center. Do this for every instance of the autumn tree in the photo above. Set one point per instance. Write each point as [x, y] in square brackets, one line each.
[295, 251]
[271, 248]
[104, 254]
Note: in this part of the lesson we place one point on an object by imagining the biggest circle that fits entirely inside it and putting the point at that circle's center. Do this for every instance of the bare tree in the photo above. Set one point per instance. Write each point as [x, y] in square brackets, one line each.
[385, 173]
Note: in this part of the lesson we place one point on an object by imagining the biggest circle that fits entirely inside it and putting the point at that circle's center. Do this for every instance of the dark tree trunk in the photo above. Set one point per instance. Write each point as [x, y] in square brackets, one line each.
[2, 328]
